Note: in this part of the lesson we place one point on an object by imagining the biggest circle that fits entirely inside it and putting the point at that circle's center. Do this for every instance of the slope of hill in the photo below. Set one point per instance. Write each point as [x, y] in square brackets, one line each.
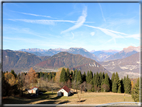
[18, 60]
[124, 53]
[71, 61]
[129, 65]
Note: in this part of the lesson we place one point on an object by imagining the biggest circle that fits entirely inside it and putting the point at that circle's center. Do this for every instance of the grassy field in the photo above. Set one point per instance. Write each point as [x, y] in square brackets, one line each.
[85, 98]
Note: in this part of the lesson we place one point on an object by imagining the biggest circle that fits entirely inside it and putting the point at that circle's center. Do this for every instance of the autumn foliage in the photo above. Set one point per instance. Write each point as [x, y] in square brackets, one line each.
[31, 77]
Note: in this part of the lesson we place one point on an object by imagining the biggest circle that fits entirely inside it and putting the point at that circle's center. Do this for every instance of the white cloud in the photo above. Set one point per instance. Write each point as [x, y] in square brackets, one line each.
[92, 33]
[135, 36]
[111, 33]
[72, 35]
[32, 14]
[102, 12]
[47, 22]
[23, 30]
[79, 22]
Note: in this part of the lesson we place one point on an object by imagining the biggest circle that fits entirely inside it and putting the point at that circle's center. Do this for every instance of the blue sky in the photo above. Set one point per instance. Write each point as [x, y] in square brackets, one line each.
[93, 26]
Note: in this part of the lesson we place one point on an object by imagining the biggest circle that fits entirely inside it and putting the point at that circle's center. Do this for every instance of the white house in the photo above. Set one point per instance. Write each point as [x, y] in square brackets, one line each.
[33, 90]
[65, 91]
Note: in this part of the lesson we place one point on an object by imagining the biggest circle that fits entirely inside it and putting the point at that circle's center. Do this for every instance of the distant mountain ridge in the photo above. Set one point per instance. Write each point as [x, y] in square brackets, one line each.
[52, 52]
[124, 53]
[126, 66]
[71, 61]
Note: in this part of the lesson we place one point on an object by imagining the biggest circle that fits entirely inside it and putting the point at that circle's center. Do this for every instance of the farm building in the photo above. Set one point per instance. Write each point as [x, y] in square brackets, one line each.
[65, 91]
[33, 90]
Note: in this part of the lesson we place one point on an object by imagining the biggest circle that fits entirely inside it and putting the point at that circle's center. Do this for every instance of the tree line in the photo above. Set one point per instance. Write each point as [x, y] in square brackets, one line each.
[94, 82]
[97, 82]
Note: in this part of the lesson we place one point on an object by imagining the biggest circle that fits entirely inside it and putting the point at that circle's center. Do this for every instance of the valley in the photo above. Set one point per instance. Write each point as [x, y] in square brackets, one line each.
[125, 62]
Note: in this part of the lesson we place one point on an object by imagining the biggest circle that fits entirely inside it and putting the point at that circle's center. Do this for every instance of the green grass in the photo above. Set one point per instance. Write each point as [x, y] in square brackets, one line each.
[87, 98]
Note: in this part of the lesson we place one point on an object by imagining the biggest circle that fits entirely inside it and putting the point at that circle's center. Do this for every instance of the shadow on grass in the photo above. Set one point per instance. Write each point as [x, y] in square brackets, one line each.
[82, 100]
[75, 92]
[17, 101]
[57, 97]
[63, 102]
[48, 102]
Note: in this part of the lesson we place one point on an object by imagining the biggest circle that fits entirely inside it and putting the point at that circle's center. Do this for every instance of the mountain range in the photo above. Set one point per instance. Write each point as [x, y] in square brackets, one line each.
[51, 52]
[124, 53]
[21, 61]
[126, 66]
[124, 62]
[71, 61]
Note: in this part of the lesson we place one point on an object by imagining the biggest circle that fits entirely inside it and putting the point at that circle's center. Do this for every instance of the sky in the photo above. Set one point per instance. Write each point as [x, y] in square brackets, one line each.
[92, 26]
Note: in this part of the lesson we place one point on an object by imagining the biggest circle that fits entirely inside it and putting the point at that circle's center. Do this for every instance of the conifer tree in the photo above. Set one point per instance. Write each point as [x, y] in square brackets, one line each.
[79, 77]
[106, 85]
[96, 81]
[127, 85]
[45, 76]
[63, 75]
[90, 76]
[87, 77]
[135, 91]
[106, 81]
[119, 87]
[101, 77]
[68, 74]
[114, 86]
[15, 75]
[50, 76]
[112, 77]
[84, 77]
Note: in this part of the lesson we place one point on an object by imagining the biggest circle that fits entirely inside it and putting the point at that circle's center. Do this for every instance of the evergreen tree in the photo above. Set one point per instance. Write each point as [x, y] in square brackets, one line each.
[112, 77]
[90, 76]
[101, 77]
[45, 76]
[41, 74]
[71, 75]
[84, 77]
[117, 78]
[68, 74]
[105, 84]
[122, 85]
[15, 75]
[50, 76]
[135, 91]
[63, 75]
[75, 77]
[128, 85]
[119, 87]
[106, 81]
[79, 77]
[114, 86]
[87, 77]
[96, 81]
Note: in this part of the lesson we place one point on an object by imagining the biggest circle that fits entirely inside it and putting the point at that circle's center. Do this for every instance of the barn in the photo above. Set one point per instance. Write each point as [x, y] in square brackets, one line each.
[65, 91]
[33, 90]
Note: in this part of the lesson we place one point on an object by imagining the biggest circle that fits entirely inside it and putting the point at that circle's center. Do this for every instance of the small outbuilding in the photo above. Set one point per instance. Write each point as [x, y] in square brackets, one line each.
[33, 90]
[65, 91]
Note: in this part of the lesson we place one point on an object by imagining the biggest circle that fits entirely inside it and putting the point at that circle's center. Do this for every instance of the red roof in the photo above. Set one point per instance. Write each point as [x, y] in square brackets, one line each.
[66, 88]
[33, 87]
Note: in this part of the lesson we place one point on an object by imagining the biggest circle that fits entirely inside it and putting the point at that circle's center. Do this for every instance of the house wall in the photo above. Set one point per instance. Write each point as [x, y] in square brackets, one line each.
[63, 91]
[31, 91]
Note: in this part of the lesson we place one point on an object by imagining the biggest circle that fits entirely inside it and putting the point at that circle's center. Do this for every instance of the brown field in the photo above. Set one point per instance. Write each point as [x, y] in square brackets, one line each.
[85, 98]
